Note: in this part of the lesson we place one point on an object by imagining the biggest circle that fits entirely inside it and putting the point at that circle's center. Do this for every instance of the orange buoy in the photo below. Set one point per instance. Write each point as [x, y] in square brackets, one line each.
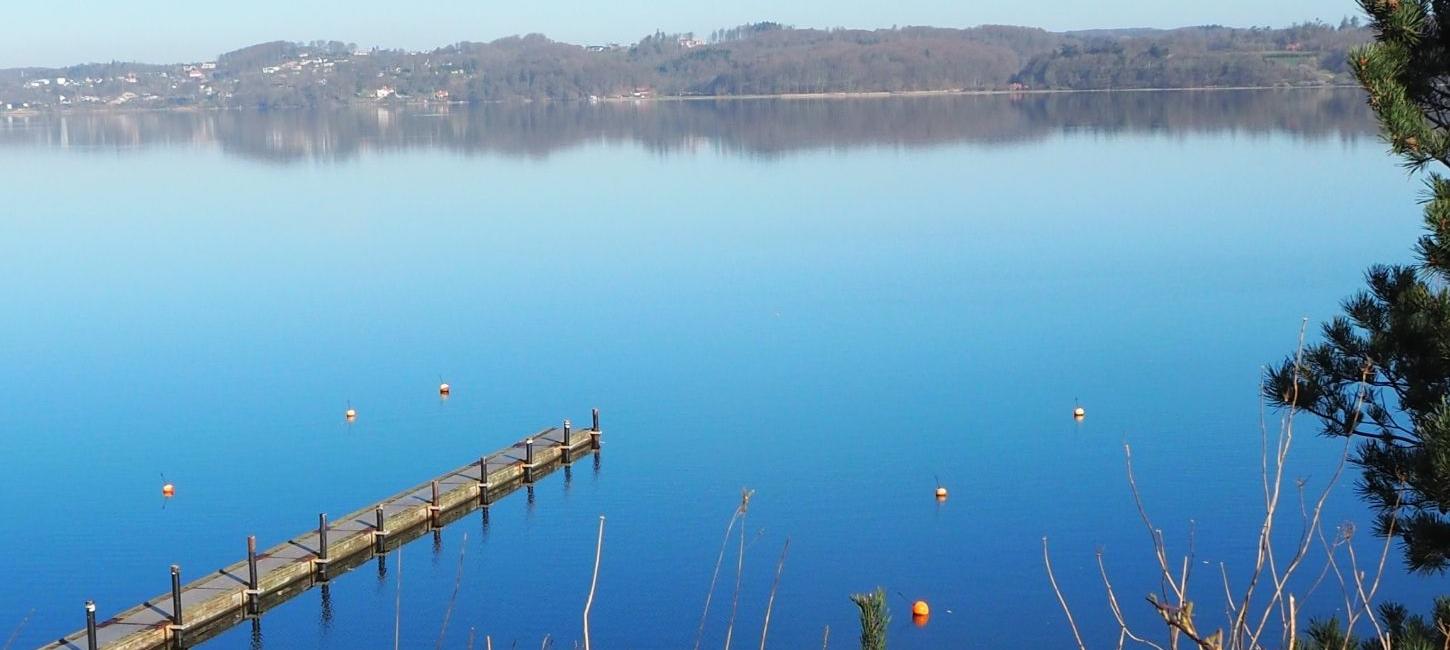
[941, 492]
[351, 414]
[1079, 412]
[920, 609]
[444, 389]
[168, 490]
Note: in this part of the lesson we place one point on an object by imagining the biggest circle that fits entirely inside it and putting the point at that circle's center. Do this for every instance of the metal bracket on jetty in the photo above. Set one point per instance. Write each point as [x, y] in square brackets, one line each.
[192, 613]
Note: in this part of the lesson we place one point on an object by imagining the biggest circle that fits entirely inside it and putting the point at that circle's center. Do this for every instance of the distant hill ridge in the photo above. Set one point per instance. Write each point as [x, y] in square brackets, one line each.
[756, 59]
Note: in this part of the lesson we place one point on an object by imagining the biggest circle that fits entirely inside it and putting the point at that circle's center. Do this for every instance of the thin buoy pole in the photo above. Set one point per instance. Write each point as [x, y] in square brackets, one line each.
[398, 604]
[593, 582]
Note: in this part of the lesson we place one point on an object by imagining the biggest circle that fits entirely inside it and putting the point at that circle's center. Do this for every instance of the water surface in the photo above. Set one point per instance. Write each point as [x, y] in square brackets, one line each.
[835, 303]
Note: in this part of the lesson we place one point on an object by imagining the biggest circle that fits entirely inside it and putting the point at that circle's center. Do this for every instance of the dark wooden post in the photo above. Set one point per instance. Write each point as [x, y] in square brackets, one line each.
[90, 625]
[483, 496]
[378, 531]
[594, 432]
[322, 537]
[253, 592]
[529, 460]
[176, 618]
[434, 507]
[568, 451]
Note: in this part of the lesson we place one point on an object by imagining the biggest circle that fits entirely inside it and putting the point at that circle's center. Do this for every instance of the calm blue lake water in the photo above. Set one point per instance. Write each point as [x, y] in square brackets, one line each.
[831, 303]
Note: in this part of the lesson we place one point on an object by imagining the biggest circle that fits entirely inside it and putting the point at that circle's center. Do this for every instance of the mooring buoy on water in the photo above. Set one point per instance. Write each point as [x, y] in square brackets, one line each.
[941, 492]
[444, 389]
[351, 414]
[920, 609]
[168, 490]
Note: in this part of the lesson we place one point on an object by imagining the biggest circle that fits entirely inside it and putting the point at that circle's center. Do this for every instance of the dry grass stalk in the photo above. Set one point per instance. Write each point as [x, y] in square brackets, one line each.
[457, 583]
[770, 603]
[593, 582]
[826, 639]
[720, 561]
[16, 634]
[745, 495]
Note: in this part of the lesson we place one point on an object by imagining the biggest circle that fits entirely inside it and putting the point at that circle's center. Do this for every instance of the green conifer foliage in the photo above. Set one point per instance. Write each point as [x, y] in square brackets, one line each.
[874, 618]
[1382, 373]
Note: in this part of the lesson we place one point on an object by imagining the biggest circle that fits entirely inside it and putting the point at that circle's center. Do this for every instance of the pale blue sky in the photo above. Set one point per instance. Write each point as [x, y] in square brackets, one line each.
[56, 32]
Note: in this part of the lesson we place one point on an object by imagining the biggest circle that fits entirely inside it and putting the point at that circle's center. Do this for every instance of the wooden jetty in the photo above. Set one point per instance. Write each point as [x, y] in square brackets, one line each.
[192, 613]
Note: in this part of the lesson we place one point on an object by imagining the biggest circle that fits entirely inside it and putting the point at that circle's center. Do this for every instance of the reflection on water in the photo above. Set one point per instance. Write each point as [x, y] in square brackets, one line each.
[748, 127]
[839, 304]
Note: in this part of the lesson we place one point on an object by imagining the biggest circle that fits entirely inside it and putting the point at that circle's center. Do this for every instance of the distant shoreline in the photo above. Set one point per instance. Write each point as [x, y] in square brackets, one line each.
[680, 98]
[966, 93]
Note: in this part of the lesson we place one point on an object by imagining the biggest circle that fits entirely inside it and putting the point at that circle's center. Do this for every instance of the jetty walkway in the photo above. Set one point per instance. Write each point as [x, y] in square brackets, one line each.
[192, 613]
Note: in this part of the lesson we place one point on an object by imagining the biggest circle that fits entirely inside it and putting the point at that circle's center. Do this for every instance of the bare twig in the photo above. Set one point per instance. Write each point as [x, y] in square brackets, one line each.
[593, 582]
[826, 639]
[1047, 560]
[1366, 599]
[1281, 580]
[1271, 495]
[1123, 631]
[1181, 619]
[1159, 551]
[1227, 591]
[770, 603]
[457, 583]
[1293, 623]
[471, 632]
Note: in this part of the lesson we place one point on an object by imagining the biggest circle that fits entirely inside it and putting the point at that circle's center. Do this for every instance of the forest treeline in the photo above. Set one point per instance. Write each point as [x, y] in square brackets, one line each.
[758, 59]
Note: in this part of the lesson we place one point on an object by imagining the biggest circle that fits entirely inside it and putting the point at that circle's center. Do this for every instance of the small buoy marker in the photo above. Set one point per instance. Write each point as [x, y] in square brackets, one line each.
[920, 609]
[444, 388]
[1079, 412]
[941, 492]
[351, 414]
[168, 490]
